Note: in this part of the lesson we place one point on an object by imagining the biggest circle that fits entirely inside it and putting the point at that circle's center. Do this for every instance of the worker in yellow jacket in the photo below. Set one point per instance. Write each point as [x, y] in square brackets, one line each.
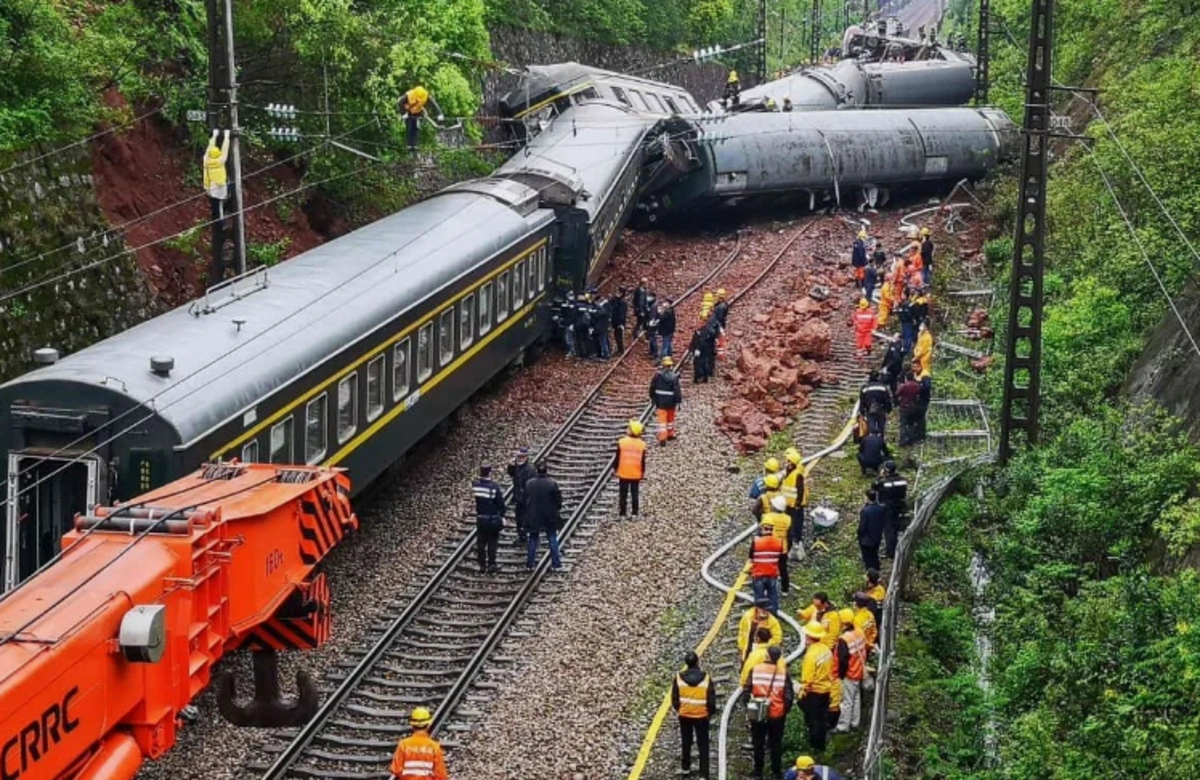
[922, 357]
[412, 107]
[816, 682]
[752, 619]
[758, 655]
[795, 489]
[824, 612]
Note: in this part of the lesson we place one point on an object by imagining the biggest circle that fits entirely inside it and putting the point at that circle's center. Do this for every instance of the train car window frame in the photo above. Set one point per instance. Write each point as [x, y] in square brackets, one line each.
[543, 265]
[485, 308]
[641, 98]
[314, 454]
[347, 409]
[466, 322]
[425, 352]
[250, 451]
[531, 280]
[400, 355]
[518, 287]
[446, 337]
[671, 104]
[502, 297]
[288, 442]
[658, 102]
[621, 96]
[377, 369]
[589, 93]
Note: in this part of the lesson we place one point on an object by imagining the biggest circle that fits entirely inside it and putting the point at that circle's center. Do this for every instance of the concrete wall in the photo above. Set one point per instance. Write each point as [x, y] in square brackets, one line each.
[46, 205]
[1168, 370]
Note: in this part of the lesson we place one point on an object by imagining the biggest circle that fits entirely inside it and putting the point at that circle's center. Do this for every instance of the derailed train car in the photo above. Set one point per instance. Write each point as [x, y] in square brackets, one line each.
[832, 155]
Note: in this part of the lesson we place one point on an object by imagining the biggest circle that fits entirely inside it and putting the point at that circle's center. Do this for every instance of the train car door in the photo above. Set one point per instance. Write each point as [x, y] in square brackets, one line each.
[44, 495]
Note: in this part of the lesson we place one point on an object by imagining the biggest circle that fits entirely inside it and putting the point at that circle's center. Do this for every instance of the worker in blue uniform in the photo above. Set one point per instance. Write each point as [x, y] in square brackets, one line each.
[489, 517]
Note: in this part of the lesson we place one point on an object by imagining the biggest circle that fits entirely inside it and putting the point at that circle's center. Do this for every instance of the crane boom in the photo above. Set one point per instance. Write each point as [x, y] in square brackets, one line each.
[101, 651]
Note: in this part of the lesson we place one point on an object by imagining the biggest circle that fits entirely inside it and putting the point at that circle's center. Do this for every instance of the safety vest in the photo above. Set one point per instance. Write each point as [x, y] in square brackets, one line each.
[629, 460]
[879, 593]
[779, 524]
[693, 699]
[789, 489]
[815, 672]
[764, 501]
[864, 321]
[417, 758]
[417, 97]
[856, 643]
[765, 552]
[766, 682]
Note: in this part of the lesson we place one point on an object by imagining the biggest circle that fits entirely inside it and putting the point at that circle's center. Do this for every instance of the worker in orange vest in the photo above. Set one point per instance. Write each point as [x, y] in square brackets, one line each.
[666, 396]
[765, 550]
[419, 756]
[851, 659]
[630, 466]
[864, 326]
[694, 698]
[772, 686]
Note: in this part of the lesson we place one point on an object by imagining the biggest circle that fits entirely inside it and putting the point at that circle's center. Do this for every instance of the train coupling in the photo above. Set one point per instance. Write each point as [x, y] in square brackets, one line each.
[268, 709]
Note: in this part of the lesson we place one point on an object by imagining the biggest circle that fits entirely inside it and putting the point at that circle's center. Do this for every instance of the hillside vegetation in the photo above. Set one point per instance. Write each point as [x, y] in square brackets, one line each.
[1096, 671]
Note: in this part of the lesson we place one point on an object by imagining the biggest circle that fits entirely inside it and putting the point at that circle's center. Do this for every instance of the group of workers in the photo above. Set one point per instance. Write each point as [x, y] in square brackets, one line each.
[587, 319]
[906, 370]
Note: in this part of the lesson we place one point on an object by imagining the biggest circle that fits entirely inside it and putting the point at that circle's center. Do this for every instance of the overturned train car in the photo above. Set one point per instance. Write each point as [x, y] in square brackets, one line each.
[832, 156]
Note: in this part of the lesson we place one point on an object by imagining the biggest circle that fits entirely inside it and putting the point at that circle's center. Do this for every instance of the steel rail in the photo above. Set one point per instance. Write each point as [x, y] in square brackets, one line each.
[291, 755]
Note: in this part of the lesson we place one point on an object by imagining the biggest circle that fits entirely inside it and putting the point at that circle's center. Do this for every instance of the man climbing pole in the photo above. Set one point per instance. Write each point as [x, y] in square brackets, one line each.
[412, 106]
[216, 184]
[733, 90]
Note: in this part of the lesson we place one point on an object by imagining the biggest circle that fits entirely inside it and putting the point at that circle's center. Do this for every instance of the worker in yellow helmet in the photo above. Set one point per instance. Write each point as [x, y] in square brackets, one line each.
[808, 769]
[762, 504]
[795, 489]
[630, 466]
[780, 523]
[412, 107]
[733, 90]
[770, 466]
[419, 756]
[216, 180]
[816, 682]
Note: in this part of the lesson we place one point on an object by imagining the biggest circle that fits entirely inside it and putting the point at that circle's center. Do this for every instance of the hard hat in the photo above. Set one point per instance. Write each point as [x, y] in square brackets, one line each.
[805, 763]
[708, 295]
[667, 362]
[772, 481]
[924, 231]
[793, 456]
[635, 428]
[420, 718]
[721, 293]
[862, 303]
[733, 76]
[779, 503]
[847, 615]
[771, 466]
[814, 629]
[862, 234]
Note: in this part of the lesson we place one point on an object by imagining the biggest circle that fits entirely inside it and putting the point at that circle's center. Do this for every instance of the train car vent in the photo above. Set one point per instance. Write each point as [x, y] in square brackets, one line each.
[162, 366]
[215, 471]
[46, 356]
[296, 476]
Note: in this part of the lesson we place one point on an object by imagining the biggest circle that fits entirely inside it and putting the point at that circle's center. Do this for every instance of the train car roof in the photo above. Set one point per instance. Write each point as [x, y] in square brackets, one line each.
[589, 144]
[565, 77]
[313, 306]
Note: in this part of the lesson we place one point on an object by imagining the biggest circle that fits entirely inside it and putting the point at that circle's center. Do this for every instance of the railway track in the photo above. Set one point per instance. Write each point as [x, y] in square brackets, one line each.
[431, 646]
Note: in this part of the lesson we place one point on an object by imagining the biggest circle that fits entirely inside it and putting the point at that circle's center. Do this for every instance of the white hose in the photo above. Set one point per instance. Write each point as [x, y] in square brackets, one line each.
[706, 573]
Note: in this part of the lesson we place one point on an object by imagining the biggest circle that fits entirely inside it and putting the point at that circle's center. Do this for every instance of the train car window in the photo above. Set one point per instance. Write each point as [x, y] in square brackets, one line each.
[375, 371]
[250, 452]
[518, 286]
[400, 370]
[620, 93]
[315, 428]
[446, 337]
[671, 103]
[424, 352]
[485, 308]
[542, 254]
[641, 98]
[347, 401]
[466, 322]
[281, 442]
[690, 104]
[533, 275]
[657, 102]
[501, 297]
[589, 94]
